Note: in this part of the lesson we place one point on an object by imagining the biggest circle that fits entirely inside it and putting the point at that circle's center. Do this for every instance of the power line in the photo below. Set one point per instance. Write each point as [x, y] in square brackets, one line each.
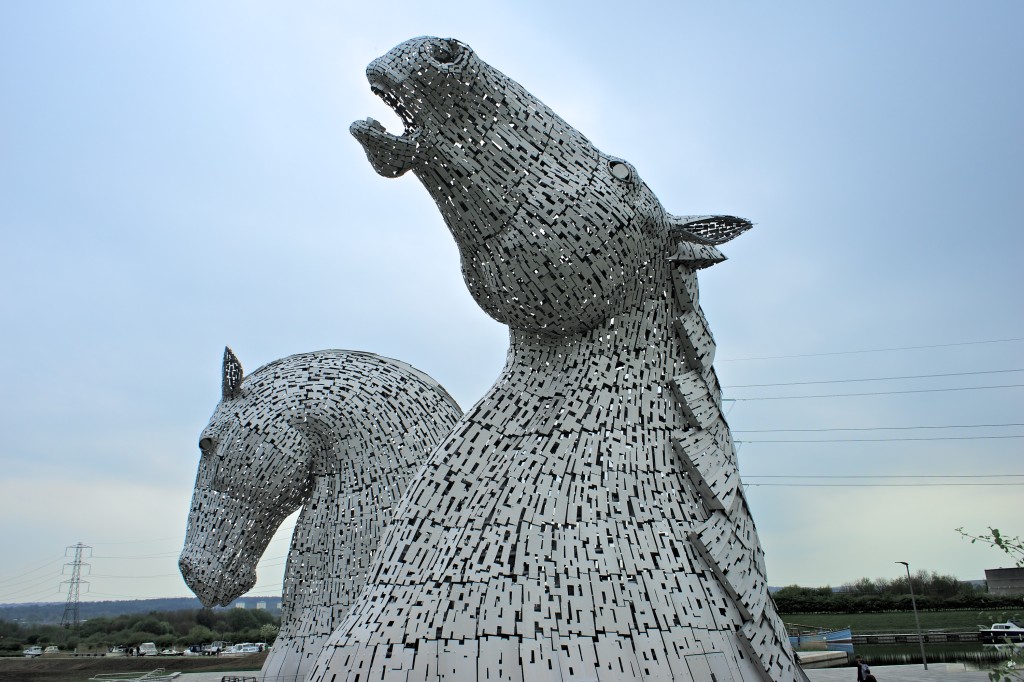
[876, 485]
[876, 440]
[879, 428]
[898, 378]
[30, 571]
[37, 578]
[134, 577]
[820, 476]
[177, 538]
[850, 395]
[871, 350]
[165, 555]
[22, 594]
[34, 587]
[915, 482]
[119, 596]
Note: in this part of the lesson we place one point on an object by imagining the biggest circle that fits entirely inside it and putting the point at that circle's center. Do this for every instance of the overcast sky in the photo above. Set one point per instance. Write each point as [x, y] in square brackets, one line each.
[175, 177]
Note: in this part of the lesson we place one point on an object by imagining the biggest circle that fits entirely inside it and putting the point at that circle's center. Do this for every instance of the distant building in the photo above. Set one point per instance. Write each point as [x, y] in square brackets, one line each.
[1007, 582]
[239, 604]
[261, 605]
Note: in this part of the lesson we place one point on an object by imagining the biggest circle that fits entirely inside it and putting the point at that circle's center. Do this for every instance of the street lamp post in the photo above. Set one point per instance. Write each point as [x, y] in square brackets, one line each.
[913, 602]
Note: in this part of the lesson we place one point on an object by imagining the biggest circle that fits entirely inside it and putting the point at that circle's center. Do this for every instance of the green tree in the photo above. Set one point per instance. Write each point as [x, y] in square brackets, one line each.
[200, 634]
[268, 633]
[207, 618]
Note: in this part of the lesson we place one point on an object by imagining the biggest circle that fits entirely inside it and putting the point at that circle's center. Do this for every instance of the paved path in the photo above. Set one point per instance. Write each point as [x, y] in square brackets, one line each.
[937, 672]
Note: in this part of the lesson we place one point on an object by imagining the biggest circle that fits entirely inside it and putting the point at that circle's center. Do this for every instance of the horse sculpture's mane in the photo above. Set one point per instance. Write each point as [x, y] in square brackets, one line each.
[338, 433]
[585, 519]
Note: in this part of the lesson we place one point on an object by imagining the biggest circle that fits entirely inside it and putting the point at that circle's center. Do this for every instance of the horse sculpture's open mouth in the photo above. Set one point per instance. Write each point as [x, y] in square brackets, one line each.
[391, 155]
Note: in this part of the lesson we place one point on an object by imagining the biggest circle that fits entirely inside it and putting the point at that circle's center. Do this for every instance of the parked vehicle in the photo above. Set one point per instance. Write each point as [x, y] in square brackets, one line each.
[214, 648]
[147, 649]
[33, 651]
[51, 650]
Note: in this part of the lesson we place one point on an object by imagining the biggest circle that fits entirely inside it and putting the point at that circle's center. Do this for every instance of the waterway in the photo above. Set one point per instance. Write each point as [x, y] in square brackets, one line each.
[974, 654]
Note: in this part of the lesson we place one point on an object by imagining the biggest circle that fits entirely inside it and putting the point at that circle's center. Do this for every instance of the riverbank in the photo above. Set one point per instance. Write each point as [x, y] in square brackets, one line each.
[903, 621]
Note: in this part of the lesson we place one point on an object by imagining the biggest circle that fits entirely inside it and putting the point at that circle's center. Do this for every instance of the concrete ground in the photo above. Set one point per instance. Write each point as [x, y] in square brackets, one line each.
[937, 672]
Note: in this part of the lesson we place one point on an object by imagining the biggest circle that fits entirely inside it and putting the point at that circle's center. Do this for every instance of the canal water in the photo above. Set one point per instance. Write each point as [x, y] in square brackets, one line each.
[974, 654]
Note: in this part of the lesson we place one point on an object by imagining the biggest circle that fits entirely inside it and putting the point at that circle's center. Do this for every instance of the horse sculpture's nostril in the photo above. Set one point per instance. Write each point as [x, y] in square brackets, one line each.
[189, 570]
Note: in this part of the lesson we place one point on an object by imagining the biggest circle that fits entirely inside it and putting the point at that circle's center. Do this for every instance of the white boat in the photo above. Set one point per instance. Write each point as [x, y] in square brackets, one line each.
[1000, 633]
[158, 675]
[243, 649]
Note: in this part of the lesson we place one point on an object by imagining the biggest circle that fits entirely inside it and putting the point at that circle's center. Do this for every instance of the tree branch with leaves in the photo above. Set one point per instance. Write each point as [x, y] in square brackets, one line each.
[1012, 546]
[1012, 668]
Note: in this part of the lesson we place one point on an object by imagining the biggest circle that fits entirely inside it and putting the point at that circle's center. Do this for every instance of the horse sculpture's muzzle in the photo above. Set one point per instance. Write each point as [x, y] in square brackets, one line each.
[218, 561]
[214, 583]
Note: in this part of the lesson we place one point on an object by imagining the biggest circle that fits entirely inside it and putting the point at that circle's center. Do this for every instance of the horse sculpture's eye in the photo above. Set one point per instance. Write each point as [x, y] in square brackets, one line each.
[206, 445]
[619, 170]
[443, 51]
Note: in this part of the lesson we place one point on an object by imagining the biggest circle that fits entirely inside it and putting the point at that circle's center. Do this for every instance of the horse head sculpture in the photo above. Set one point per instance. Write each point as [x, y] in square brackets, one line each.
[555, 236]
[585, 519]
[338, 433]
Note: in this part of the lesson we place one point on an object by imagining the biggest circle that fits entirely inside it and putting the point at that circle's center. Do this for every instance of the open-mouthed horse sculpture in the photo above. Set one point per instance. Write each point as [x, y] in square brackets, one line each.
[336, 432]
[585, 520]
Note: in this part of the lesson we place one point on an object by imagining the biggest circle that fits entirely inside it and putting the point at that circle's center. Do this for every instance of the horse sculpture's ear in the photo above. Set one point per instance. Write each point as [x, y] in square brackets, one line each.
[711, 230]
[231, 379]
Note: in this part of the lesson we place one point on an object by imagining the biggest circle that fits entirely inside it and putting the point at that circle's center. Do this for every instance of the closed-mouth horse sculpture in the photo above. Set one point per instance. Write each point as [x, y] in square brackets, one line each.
[585, 520]
[337, 433]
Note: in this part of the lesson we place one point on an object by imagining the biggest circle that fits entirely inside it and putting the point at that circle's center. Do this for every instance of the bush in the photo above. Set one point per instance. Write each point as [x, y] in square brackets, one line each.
[166, 629]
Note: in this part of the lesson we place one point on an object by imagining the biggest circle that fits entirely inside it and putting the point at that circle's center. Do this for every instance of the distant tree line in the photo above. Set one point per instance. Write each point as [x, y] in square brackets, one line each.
[53, 612]
[166, 629]
[931, 590]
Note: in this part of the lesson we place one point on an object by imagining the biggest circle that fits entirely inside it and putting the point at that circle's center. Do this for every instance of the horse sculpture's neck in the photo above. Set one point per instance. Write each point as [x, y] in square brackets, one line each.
[334, 539]
[382, 428]
[591, 496]
[335, 536]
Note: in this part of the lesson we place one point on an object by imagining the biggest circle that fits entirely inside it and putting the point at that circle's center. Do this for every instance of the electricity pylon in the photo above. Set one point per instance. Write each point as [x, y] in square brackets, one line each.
[70, 617]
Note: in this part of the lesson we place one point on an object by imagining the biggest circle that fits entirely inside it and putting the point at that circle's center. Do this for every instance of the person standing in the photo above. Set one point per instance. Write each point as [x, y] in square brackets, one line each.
[863, 671]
